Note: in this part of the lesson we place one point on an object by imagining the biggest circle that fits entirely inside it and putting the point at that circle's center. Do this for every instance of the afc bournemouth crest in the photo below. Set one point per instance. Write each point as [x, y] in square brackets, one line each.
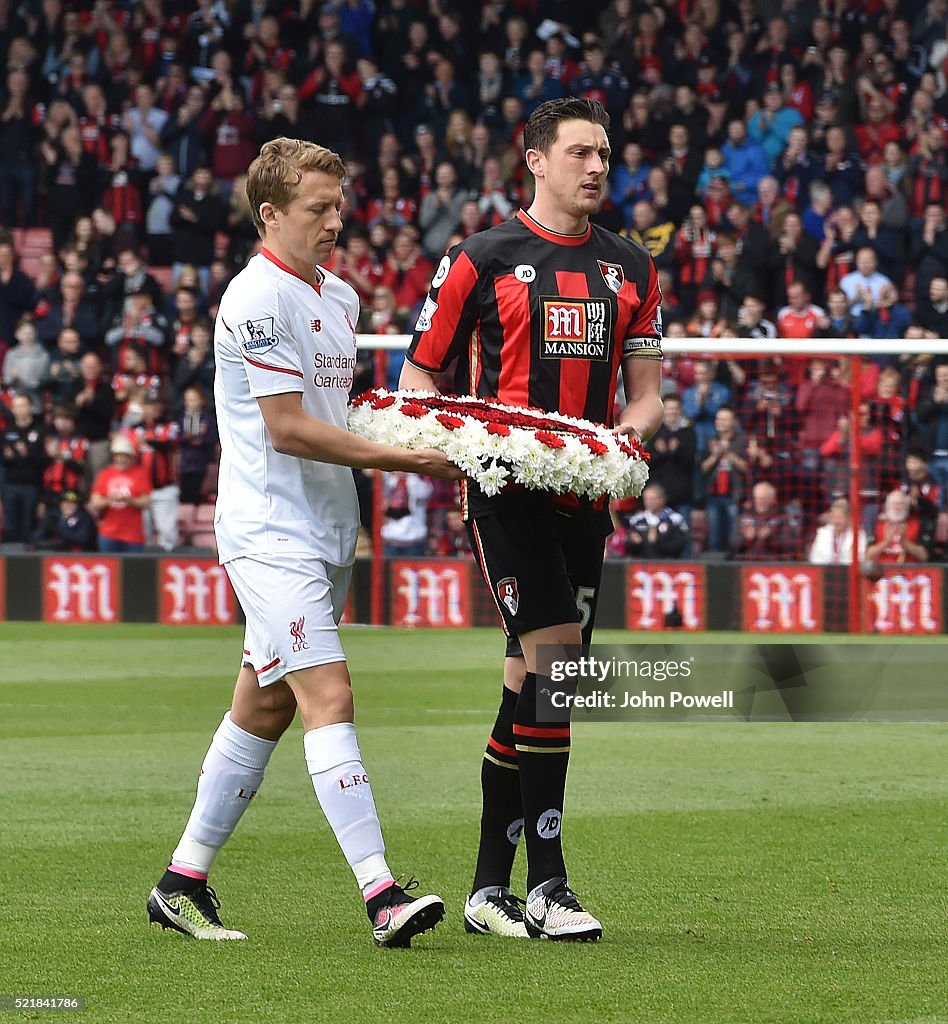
[509, 594]
[612, 274]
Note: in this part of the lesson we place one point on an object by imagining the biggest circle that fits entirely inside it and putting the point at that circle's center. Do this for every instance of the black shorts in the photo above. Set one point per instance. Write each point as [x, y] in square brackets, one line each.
[541, 560]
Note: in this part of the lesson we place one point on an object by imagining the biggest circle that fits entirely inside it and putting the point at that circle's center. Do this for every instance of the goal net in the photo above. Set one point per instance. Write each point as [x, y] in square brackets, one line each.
[816, 470]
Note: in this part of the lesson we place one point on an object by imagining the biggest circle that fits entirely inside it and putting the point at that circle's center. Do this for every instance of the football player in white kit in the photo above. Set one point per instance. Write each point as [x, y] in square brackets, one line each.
[286, 522]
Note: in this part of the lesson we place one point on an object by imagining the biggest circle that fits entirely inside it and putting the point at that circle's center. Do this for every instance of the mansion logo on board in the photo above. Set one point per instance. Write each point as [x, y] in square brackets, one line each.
[194, 592]
[904, 600]
[430, 593]
[81, 589]
[656, 596]
[788, 599]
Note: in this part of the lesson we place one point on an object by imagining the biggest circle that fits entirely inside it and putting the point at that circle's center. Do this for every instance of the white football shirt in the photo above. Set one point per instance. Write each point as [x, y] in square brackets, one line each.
[277, 333]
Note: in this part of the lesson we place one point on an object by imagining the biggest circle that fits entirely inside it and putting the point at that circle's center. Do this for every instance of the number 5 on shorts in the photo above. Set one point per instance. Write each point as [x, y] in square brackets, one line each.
[585, 598]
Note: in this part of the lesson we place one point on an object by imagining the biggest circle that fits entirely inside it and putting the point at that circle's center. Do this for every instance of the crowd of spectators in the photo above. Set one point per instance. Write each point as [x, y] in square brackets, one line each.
[784, 161]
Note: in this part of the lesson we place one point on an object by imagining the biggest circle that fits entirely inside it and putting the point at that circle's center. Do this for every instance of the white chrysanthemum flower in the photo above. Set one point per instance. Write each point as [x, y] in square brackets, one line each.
[474, 435]
[462, 456]
[496, 446]
[532, 471]
[430, 432]
[520, 444]
[493, 478]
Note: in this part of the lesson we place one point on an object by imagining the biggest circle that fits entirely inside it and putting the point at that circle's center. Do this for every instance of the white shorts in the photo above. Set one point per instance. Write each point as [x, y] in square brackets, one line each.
[293, 607]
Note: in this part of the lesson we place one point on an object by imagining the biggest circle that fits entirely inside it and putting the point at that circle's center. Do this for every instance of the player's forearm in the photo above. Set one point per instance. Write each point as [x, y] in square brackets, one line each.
[644, 415]
[306, 437]
[413, 378]
[643, 410]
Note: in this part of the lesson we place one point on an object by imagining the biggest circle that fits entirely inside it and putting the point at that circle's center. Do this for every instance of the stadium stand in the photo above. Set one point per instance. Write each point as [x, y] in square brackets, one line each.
[784, 162]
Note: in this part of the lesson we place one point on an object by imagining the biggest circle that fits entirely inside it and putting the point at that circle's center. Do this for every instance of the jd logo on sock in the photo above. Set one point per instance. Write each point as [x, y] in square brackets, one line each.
[548, 824]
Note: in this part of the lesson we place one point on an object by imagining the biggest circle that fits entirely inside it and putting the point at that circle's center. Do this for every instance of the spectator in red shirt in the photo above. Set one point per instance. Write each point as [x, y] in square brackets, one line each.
[450, 541]
[264, 51]
[406, 272]
[228, 132]
[356, 264]
[158, 440]
[877, 129]
[821, 400]
[797, 93]
[799, 318]
[393, 207]
[120, 495]
[694, 251]
[901, 534]
[836, 451]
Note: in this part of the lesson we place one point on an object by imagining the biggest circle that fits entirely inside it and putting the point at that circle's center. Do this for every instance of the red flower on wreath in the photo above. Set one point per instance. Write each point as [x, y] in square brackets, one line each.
[595, 446]
[450, 422]
[500, 429]
[383, 401]
[550, 440]
[414, 411]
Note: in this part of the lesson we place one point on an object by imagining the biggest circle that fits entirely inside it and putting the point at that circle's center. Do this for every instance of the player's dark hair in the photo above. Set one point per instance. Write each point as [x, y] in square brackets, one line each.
[544, 123]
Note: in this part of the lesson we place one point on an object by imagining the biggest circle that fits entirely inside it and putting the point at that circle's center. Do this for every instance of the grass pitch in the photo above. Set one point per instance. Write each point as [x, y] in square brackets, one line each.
[743, 873]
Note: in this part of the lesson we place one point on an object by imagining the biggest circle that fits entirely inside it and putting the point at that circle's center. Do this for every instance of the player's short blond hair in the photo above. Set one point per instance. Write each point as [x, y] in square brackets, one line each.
[277, 172]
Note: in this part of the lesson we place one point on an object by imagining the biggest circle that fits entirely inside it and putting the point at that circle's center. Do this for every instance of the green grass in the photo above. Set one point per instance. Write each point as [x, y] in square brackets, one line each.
[744, 873]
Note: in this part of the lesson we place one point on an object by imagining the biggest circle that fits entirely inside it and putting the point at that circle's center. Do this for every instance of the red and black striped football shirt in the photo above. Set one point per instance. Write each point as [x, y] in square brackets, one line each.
[541, 319]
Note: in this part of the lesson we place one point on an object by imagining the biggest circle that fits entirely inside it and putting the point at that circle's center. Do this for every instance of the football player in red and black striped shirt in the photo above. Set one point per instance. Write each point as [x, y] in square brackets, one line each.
[545, 311]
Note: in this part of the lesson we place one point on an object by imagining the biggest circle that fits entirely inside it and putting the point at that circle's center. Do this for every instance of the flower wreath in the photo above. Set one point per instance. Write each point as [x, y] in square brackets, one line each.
[495, 444]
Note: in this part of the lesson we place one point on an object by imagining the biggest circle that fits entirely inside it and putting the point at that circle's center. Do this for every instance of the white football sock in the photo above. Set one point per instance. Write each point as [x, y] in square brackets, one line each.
[230, 777]
[342, 788]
